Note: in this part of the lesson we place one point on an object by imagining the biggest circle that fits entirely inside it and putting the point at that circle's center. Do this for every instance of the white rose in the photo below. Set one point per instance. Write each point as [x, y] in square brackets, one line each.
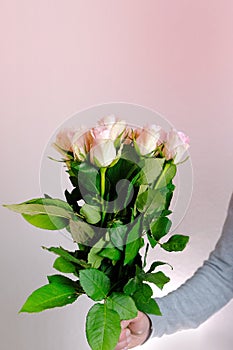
[109, 128]
[103, 153]
[147, 139]
[176, 145]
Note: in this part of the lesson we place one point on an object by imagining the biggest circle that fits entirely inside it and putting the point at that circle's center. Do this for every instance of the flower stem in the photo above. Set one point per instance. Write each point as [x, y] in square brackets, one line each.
[102, 192]
[161, 177]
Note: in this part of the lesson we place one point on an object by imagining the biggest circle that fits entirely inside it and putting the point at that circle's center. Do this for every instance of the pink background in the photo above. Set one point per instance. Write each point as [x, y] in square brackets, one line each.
[58, 57]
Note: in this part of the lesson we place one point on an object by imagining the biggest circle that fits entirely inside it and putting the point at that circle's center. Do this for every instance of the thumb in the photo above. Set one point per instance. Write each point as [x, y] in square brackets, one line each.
[139, 324]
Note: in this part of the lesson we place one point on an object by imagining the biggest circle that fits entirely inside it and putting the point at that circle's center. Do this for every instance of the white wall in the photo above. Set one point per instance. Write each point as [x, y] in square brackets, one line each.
[58, 57]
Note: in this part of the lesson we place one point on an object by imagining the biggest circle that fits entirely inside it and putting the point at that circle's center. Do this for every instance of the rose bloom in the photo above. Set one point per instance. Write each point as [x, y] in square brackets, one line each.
[105, 144]
[103, 153]
[148, 139]
[176, 145]
[81, 144]
[109, 128]
[64, 139]
[128, 135]
[63, 142]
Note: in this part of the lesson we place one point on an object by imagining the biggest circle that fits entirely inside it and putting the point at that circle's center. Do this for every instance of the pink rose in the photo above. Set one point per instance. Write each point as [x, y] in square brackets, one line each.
[176, 145]
[105, 143]
[81, 144]
[109, 128]
[128, 135]
[147, 139]
[63, 141]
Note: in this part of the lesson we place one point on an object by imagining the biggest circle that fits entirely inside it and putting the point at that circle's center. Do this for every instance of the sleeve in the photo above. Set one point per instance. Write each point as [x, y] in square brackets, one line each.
[206, 292]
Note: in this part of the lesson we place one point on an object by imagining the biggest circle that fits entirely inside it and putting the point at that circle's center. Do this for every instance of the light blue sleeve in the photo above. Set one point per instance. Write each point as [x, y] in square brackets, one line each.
[206, 292]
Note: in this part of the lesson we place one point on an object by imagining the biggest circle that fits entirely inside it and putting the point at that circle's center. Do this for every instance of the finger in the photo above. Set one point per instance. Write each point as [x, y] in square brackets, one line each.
[140, 324]
[122, 346]
[125, 335]
[125, 323]
[124, 340]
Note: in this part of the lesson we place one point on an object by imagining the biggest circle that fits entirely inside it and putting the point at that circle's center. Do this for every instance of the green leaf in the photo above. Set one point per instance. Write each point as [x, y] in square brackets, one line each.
[150, 201]
[129, 154]
[142, 200]
[132, 250]
[131, 286]
[160, 227]
[145, 254]
[123, 305]
[93, 256]
[81, 231]
[60, 279]
[170, 173]
[123, 169]
[87, 176]
[158, 278]
[50, 201]
[135, 231]
[50, 296]
[152, 241]
[91, 213]
[134, 242]
[110, 252]
[144, 289]
[149, 307]
[102, 328]
[95, 283]
[43, 221]
[64, 265]
[156, 264]
[45, 213]
[150, 170]
[118, 235]
[67, 256]
[175, 243]
[37, 209]
[168, 191]
[94, 259]
[144, 302]
[166, 177]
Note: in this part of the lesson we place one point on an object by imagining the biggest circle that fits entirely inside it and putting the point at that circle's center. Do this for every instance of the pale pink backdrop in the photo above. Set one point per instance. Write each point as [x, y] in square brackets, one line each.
[58, 57]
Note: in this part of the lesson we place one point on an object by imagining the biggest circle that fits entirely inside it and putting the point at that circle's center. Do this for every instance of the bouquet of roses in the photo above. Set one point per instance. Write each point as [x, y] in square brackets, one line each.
[122, 186]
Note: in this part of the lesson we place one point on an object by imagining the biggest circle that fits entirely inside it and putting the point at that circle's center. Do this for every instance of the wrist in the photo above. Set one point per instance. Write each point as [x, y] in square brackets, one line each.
[141, 337]
[149, 332]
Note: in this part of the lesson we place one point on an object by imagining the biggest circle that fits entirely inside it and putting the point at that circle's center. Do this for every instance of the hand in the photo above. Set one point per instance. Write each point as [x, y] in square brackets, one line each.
[134, 332]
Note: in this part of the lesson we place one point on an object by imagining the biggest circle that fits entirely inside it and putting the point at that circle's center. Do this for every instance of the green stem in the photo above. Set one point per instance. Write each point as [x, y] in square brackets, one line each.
[102, 192]
[161, 177]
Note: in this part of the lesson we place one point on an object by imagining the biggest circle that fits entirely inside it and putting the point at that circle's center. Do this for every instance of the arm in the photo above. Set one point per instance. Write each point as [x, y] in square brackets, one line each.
[206, 292]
